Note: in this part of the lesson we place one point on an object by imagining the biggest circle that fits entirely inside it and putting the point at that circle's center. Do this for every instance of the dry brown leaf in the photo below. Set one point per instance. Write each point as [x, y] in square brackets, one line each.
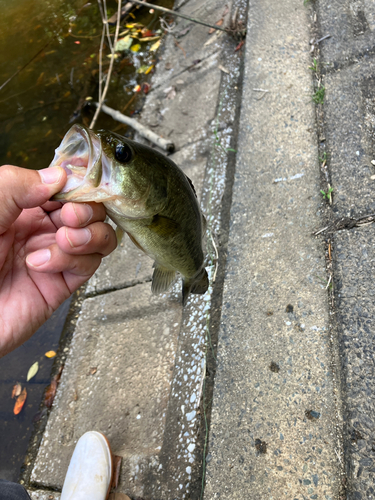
[50, 394]
[116, 471]
[20, 402]
[219, 23]
[17, 388]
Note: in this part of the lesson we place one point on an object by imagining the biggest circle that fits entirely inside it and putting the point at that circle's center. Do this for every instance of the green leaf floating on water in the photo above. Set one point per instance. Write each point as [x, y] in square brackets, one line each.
[32, 371]
[124, 43]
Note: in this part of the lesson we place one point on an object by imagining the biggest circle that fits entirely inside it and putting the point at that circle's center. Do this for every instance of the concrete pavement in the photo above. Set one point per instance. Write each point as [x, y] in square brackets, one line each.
[291, 414]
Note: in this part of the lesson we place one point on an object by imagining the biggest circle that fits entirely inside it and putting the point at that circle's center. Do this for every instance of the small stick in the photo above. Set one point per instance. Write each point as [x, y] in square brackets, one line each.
[329, 281]
[216, 257]
[141, 129]
[174, 13]
[102, 97]
[321, 230]
[323, 38]
[101, 64]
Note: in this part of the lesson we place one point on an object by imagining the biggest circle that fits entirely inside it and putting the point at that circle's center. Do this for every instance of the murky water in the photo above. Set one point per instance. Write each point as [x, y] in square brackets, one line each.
[49, 54]
[55, 45]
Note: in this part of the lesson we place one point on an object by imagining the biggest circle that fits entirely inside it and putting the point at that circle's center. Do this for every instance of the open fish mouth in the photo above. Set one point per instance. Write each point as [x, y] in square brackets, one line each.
[80, 155]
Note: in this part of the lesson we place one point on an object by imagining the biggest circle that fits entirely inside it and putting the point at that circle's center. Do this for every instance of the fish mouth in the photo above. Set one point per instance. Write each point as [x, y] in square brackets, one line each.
[80, 155]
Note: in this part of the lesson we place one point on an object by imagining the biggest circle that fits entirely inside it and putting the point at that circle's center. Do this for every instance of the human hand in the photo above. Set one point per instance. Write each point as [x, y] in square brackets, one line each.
[47, 250]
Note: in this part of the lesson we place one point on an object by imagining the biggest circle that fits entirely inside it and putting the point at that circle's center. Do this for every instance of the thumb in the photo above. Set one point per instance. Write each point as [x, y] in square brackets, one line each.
[22, 188]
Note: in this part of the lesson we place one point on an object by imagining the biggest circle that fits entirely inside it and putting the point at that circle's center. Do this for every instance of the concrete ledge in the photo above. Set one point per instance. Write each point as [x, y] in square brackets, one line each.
[275, 426]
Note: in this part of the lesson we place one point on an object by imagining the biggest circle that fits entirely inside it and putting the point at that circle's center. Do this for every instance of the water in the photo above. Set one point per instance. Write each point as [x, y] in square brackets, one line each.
[38, 105]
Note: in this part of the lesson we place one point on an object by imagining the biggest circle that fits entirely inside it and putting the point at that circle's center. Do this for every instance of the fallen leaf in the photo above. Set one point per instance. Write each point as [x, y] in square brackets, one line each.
[135, 47]
[226, 10]
[20, 402]
[50, 354]
[172, 93]
[239, 45]
[214, 38]
[219, 23]
[149, 69]
[58, 376]
[155, 46]
[50, 393]
[40, 79]
[146, 87]
[184, 31]
[149, 39]
[223, 69]
[124, 43]
[145, 32]
[17, 388]
[116, 471]
[32, 371]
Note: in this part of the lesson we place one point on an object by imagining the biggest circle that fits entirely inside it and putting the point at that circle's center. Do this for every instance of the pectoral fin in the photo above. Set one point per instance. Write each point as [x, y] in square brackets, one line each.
[162, 279]
[119, 234]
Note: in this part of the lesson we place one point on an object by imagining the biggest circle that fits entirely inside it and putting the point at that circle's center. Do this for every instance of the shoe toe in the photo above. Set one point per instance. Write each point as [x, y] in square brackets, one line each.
[90, 469]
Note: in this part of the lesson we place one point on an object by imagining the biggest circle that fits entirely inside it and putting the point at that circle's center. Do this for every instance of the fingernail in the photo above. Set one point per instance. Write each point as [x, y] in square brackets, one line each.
[78, 237]
[83, 212]
[39, 258]
[51, 175]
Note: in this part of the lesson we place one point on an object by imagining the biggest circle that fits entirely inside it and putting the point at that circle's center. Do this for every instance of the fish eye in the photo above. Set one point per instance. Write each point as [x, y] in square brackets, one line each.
[123, 153]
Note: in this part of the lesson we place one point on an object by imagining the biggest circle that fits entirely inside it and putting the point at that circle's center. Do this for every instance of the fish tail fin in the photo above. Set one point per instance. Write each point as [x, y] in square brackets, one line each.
[198, 284]
[162, 279]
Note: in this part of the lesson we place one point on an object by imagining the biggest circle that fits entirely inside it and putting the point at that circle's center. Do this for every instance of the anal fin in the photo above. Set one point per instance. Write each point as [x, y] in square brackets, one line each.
[162, 279]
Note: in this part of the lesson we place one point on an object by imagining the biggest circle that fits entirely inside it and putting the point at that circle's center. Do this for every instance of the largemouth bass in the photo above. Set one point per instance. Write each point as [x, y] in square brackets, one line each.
[146, 195]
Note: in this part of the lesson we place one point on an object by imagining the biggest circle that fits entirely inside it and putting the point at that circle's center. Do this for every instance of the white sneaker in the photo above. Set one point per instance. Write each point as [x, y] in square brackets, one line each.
[90, 470]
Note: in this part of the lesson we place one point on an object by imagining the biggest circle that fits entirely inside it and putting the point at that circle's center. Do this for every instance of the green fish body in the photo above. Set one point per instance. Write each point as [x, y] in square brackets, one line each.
[146, 195]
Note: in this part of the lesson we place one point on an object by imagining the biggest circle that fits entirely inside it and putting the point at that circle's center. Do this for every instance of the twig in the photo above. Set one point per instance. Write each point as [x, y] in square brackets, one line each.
[329, 281]
[101, 64]
[124, 11]
[102, 97]
[141, 129]
[103, 13]
[216, 257]
[321, 230]
[174, 13]
[323, 38]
